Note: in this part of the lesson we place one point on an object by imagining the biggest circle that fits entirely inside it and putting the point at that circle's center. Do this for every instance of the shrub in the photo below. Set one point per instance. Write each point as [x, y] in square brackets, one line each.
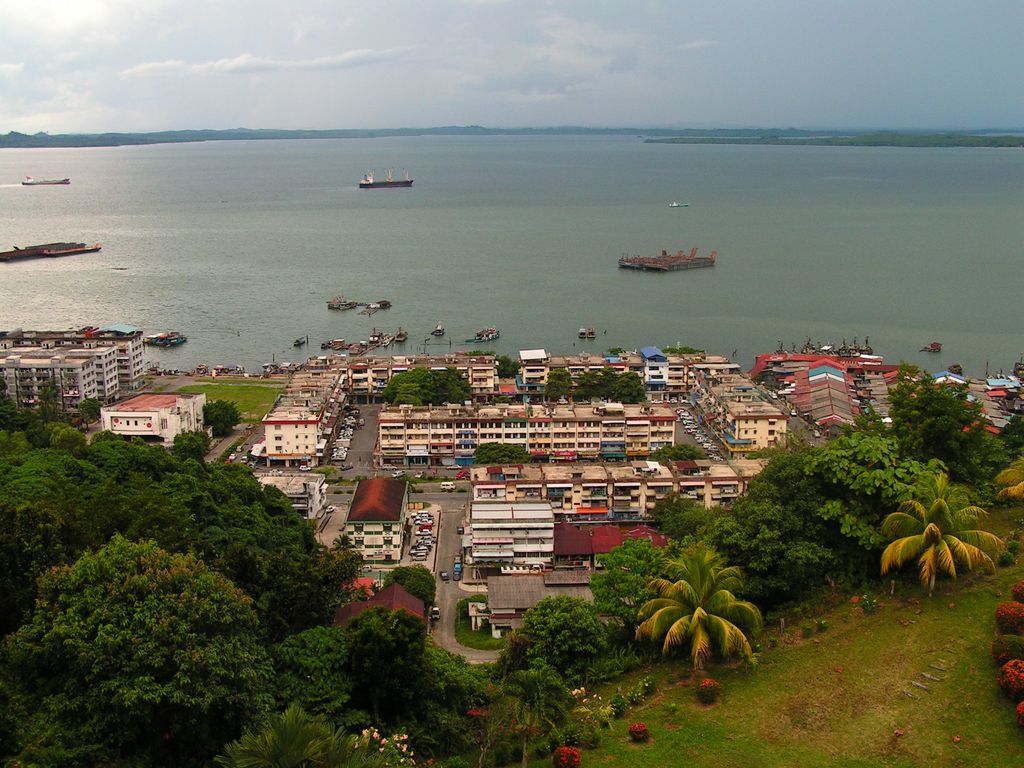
[647, 685]
[1020, 714]
[577, 734]
[1011, 679]
[566, 757]
[1010, 618]
[639, 732]
[1005, 559]
[634, 695]
[807, 629]
[1007, 648]
[708, 691]
[821, 625]
[619, 705]
[1018, 591]
[1013, 547]
[868, 604]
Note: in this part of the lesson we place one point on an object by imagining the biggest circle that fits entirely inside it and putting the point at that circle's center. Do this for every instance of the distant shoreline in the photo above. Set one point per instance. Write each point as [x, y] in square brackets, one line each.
[752, 136]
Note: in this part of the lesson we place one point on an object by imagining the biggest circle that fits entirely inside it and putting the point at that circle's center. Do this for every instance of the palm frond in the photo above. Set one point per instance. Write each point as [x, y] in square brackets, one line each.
[902, 551]
[900, 524]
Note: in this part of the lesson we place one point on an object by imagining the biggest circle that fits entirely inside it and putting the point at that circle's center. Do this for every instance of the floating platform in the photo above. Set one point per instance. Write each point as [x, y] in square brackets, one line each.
[668, 262]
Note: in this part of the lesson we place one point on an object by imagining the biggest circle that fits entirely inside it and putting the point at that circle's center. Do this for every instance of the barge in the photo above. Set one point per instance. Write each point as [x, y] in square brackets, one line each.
[48, 251]
[668, 262]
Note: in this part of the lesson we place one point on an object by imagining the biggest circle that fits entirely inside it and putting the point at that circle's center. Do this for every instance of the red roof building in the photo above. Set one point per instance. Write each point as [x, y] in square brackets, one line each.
[394, 598]
[378, 499]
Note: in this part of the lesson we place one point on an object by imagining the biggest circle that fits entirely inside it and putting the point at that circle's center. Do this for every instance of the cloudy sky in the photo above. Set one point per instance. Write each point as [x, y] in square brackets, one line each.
[139, 65]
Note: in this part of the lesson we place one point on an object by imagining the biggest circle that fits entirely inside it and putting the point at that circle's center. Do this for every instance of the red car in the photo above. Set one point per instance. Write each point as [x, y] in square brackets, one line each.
[462, 474]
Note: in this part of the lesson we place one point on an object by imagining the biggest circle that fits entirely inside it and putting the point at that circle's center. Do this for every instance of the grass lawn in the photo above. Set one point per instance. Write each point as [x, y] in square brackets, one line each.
[464, 634]
[254, 400]
[840, 697]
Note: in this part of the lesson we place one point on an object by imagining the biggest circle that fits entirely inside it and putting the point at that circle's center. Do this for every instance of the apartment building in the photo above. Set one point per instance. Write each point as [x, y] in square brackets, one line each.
[302, 418]
[512, 534]
[162, 417]
[364, 378]
[448, 435]
[376, 519]
[306, 492]
[72, 374]
[597, 493]
[739, 412]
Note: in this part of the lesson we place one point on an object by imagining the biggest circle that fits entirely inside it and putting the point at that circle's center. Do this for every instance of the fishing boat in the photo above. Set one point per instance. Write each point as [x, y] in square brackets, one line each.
[438, 330]
[587, 333]
[485, 334]
[675, 204]
[935, 346]
[384, 304]
[30, 182]
[401, 335]
[169, 339]
[369, 309]
[340, 302]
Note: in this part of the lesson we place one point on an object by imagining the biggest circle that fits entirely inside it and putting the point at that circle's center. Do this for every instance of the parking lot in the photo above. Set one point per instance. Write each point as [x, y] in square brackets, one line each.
[689, 431]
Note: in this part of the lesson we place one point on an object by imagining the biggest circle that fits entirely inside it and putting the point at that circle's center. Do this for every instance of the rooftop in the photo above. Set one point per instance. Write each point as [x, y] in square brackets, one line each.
[378, 499]
[394, 598]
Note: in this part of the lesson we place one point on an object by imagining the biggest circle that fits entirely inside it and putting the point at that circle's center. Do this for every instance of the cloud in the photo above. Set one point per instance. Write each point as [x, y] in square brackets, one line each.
[695, 44]
[246, 63]
[10, 70]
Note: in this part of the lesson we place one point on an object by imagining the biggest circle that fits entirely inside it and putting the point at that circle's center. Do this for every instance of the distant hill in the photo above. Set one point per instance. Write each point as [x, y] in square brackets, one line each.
[788, 136]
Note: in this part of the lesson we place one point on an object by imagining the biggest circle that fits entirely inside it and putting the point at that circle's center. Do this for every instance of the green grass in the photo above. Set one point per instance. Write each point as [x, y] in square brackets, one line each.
[254, 400]
[837, 698]
[481, 639]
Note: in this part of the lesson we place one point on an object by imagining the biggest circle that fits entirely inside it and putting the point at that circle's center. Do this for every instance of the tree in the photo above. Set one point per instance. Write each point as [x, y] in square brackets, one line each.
[1012, 480]
[939, 421]
[309, 670]
[565, 633]
[507, 367]
[294, 739]
[450, 386]
[1013, 436]
[678, 452]
[629, 388]
[933, 527]
[700, 609]
[137, 655]
[501, 453]
[558, 385]
[622, 586]
[191, 445]
[221, 416]
[416, 580]
[385, 662]
[679, 517]
[66, 438]
[538, 702]
[423, 386]
[89, 409]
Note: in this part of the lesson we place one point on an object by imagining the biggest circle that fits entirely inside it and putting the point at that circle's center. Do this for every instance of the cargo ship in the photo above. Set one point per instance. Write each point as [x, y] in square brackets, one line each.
[48, 251]
[30, 182]
[390, 182]
[668, 262]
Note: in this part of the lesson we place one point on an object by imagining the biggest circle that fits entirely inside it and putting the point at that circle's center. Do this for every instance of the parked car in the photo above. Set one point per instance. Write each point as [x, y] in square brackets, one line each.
[435, 613]
[460, 530]
[345, 467]
[462, 474]
[444, 576]
[457, 576]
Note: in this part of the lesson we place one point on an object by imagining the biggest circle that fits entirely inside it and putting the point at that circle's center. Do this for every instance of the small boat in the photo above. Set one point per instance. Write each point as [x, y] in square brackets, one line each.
[401, 335]
[935, 346]
[587, 333]
[675, 204]
[384, 304]
[30, 182]
[438, 330]
[340, 302]
[485, 334]
[369, 309]
[169, 339]
[300, 342]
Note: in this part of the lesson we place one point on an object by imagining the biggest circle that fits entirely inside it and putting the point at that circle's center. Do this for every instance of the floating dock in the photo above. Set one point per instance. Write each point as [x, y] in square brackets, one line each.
[668, 262]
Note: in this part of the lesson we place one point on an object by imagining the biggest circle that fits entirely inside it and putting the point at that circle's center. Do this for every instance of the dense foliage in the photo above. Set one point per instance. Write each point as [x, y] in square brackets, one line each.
[416, 580]
[221, 416]
[424, 386]
[564, 633]
[500, 453]
[610, 384]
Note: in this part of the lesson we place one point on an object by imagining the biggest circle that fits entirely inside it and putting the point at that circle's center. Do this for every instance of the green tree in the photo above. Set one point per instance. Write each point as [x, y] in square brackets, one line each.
[538, 702]
[385, 662]
[134, 654]
[589, 386]
[558, 385]
[678, 452]
[699, 609]
[221, 416]
[416, 580]
[629, 388]
[1013, 436]
[507, 367]
[423, 386]
[501, 453]
[450, 386]
[89, 410]
[66, 438]
[679, 517]
[940, 421]
[294, 739]
[191, 445]
[565, 633]
[309, 670]
[622, 586]
[1012, 480]
[936, 527]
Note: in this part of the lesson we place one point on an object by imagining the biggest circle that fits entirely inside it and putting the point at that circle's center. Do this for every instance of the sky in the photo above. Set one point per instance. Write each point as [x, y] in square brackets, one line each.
[146, 65]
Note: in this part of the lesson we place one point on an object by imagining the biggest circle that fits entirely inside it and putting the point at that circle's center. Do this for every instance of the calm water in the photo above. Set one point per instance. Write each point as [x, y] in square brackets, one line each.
[239, 245]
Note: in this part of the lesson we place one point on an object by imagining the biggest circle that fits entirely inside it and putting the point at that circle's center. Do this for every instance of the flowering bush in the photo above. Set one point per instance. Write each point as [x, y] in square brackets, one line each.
[1017, 590]
[394, 750]
[1010, 618]
[566, 757]
[708, 691]
[1020, 714]
[1007, 648]
[619, 705]
[1011, 679]
[639, 732]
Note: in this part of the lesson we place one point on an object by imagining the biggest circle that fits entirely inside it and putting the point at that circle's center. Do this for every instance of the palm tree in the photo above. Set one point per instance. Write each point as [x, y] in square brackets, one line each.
[937, 527]
[538, 702]
[294, 739]
[1012, 480]
[700, 608]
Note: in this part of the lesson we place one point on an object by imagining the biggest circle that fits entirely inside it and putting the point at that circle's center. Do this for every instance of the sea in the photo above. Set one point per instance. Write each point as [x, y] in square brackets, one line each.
[239, 245]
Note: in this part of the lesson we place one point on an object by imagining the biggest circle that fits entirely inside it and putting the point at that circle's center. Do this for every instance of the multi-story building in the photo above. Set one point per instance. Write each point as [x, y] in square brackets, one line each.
[512, 534]
[307, 492]
[364, 378]
[597, 493]
[449, 435]
[155, 416]
[69, 374]
[127, 339]
[296, 428]
[739, 412]
[376, 519]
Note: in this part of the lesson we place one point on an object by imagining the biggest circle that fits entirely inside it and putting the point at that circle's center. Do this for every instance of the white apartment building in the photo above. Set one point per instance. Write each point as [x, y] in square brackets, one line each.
[307, 492]
[301, 418]
[162, 417]
[364, 378]
[739, 414]
[74, 374]
[521, 534]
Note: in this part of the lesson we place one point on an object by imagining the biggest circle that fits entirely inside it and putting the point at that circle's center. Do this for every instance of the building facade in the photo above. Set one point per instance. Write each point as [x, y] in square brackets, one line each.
[739, 412]
[365, 378]
[307, 492]
[160, 417]
[375, 523]
[512, 534]
[302, 418]
[68, 375]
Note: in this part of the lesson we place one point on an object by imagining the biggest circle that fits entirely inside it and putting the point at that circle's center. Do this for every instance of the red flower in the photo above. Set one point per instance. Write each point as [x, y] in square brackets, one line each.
[1011, 679]
[708, 690]
[1020, 714]
[1010, 618]
[1017, 590]
[566, 757]
[639, 732]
